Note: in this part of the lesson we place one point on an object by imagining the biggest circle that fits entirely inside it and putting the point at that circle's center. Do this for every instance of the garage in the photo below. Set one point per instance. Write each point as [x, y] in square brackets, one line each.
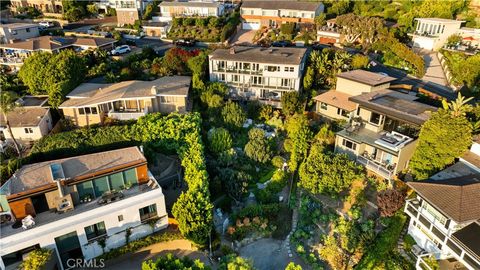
[251, 25]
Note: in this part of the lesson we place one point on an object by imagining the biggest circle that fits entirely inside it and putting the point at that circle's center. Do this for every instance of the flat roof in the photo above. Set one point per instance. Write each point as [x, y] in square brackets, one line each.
[88, 94]
[337, 99]
[37, 175]
[272, 55]
[50, 43]
[457, 198]
[25, 116]
[189, 4]
[366, 77]
[292, 5]
[18, 25]
[438, 20]
[396, 105]
[469, 238]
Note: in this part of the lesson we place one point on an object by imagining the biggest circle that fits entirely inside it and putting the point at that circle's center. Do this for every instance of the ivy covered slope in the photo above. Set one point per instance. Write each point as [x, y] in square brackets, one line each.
[156, 132]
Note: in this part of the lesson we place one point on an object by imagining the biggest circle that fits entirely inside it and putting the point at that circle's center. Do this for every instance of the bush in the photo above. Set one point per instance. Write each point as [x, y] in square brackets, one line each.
[278, 162]
[220, 140]
[287, 28]
[37, 259]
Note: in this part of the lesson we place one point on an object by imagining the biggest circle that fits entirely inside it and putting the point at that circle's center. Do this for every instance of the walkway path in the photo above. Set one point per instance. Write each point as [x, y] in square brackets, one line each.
[433, 69]
[401, 245]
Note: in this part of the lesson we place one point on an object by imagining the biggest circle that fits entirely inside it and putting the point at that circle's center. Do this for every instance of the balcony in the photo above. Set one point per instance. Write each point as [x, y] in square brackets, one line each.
[385, 171]
[427, 219]
[393, 140]
[423, 34]
[11, 61]
[238, 71]
[127, 115]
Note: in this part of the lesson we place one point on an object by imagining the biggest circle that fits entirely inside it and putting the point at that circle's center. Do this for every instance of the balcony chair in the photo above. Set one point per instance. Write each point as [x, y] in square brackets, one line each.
[28, 222]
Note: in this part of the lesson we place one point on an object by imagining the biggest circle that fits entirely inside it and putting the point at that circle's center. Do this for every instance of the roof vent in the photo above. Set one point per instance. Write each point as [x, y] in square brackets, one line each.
[232, 50]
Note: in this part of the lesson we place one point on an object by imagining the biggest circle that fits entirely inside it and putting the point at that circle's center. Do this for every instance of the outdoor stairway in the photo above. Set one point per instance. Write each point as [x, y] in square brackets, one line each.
[294, 228]
[401, 245]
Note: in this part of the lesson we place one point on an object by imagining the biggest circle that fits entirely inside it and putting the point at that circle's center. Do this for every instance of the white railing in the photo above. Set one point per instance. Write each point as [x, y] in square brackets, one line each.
[11, 60]
[376, 168]
[126, 115]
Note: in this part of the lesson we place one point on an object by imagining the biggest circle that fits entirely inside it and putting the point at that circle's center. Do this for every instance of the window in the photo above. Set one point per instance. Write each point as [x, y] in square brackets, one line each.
[349, 144]
[222, 77]
[13, 32]
[272, 68]
[81, 110]
[85, 190]
[96, 230]
[286, 69]
[375, 118]
[27, 30]
[235, 78]
[285, 82]
[100, 186]
[342, 112]
[167, 99]
[323, 106]
[120, 218]
[28, 130]
[94, 110]
[358, 111]
[148, 212]
[292, 69]
[130, 176]
[116, 181]
[87, 111]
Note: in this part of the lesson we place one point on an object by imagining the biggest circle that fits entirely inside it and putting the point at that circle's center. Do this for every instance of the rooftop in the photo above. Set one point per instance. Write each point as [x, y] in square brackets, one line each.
[273, 4]
[18, 25]
[457, 198]
[282, 56]
[381, 140]
[189, 4]
[32, 101]
[472, 158]
[438, 20]
[88, 94]
[49, 43]
[395, 105]
[337, 99]
[25, 116]
[469, 238]
[366, 77]
[38, 175]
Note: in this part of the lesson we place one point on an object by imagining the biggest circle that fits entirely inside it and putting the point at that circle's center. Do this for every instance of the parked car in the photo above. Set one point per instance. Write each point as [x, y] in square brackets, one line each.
[121, 50]
[320, 46]
[46, 24]
[185, 42]
[282, 43]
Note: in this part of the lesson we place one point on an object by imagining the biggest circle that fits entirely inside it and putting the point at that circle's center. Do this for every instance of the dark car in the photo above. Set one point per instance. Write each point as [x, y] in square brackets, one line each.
[320, 46]
[185, 42]
[282, 43]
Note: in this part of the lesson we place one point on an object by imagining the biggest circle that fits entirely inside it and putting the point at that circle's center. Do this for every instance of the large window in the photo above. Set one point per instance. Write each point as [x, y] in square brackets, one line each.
[100, 186]
[85, 189]
[323, 106]
[148, 212]
[130, 176]
[349, 144]
[375, 118]
[116, 181]
[95, 230]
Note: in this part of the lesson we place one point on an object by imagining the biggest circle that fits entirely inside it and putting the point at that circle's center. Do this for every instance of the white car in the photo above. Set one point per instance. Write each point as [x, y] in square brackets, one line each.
[121, 50]
[46, 24]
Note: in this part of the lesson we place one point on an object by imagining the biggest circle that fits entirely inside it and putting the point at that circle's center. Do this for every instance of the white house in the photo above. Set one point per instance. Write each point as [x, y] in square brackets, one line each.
[69, 205]
[13, 32]
[258, 73]
[432, 33]
[168, 10]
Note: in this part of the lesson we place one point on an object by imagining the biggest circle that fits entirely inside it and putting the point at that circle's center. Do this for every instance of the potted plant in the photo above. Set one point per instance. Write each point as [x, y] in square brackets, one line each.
[127, 186]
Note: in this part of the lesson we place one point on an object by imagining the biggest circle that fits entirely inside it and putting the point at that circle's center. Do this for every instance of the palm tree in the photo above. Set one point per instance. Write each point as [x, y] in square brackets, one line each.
[459, 107]
[7, 104]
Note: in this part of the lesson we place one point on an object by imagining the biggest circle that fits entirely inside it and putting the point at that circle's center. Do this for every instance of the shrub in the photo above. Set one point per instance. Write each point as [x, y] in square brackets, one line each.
[37, 259]
[278, 161]
[220, 140]
[287, 28]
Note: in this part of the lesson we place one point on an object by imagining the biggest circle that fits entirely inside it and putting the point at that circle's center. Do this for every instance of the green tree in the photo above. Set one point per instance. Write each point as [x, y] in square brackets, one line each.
[278, 161]
[293, 266]
[233, 115]
[333, 254]
[299, 136]
[193, 211]
[233, 262]
[7, 105]
[258, 147]
[171, 262]
[219, 140]
[320, 20]
[37, 259]
[199, 64]
[291, 103]
[235, 182]
[454, 39]
[327, 173]
[360, 61]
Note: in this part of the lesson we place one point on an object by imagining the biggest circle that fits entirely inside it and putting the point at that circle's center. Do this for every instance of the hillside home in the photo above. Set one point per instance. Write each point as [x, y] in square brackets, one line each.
[432, 33]
[382, 133]
[69, 205]
[258, 73]
[329, 33]
[129, 11]
[14, 32]
[29, 121]
[335, 104]
[168, 10]
[444, 221]
[44, 6]
[91, 103]
[256, 14]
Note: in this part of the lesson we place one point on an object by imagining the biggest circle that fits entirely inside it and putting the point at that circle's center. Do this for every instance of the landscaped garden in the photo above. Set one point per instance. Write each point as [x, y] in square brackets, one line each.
[465, 69]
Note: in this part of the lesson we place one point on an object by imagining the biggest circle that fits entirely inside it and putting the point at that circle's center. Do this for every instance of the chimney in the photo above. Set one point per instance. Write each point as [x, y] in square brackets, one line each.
[232, 50]
[154, 90]
[141, 148]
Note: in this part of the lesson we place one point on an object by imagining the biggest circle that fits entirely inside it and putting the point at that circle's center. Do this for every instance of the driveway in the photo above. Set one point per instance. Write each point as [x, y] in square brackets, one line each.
[179, 248]
[433, 69]
[269, 254]
[243, 37]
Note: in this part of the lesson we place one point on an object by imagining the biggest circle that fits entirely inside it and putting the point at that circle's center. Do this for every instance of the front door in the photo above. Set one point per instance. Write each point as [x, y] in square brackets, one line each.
[40, 203]
[68, 248]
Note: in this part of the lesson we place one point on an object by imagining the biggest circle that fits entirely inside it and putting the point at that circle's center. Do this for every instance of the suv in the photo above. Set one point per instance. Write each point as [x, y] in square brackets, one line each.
[121, 50]
[46, 24]
[185, 42]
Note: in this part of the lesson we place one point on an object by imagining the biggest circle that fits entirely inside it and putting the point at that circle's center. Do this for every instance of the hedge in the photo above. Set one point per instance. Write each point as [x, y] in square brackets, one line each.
[403, 52]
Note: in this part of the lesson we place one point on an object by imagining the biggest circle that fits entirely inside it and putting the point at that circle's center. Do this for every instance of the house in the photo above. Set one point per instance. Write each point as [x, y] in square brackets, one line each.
[168, 10]
[92, 103]
[329, 33]
[129, 11]
[432, 33]
[30, 121]
[156, 29]
[383, 131]
[13, 54]
[335, 104]
[257, 14]
[72, 205]
[444, 221]
[44, 6]
[14, 32]
[258, 73]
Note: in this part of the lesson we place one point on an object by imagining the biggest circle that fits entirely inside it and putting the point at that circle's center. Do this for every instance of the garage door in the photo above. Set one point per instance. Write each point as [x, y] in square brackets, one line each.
[251, 25]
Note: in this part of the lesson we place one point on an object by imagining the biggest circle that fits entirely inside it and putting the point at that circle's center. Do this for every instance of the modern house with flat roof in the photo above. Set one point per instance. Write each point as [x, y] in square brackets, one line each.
[335, 104]
[69, 205]
[169, 10]
[13, 54]
[444, 221]
[92, 103]
[14, 32]
[29, 121]
[432, 33]
[382, 133]
[257, 14]
[256, 73]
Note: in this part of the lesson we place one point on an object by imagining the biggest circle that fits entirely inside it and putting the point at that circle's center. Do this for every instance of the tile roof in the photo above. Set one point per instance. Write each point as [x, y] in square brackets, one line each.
[37, 175]
[189, 4]
[285, 56]
[88, 94]
[274, 4]
[457, 198]
[337, 99]
[395, 105]
[49, 43]
[366, 77]
[25, 116]
[469, 238]
[472, 158]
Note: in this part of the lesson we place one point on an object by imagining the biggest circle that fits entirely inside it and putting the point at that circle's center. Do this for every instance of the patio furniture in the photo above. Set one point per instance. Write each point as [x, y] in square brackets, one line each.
[64, 203]
[110, 196]
[28, 222]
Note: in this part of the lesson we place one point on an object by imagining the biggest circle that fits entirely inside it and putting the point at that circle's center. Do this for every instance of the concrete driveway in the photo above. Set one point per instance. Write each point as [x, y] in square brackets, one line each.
[433, 69]
[243, 37]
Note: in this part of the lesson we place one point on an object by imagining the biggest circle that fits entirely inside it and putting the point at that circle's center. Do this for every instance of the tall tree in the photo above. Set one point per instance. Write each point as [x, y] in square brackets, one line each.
[258, 147]
[233, 115]
[7, 105]
[300, 136]
[291, 103]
